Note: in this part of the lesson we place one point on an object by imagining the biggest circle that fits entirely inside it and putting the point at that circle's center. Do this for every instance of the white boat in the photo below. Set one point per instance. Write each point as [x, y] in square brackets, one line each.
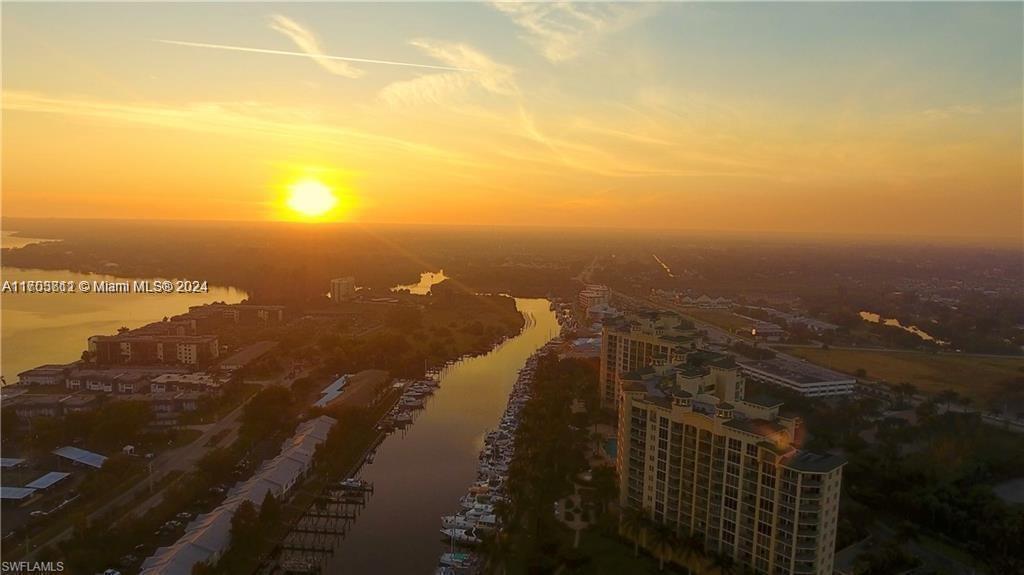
[462, 536]
[457, 522]
[470, 520]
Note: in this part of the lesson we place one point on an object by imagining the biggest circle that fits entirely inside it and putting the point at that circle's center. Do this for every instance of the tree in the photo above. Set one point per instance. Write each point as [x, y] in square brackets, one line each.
[270, 510]
[948, 397]
[605, 486]
[725, 564]
[632, 522]
[8, 422]
[692, 547]
[267, 412]
[245, 524]
[926, 410]
[905, 392]
[663, 542]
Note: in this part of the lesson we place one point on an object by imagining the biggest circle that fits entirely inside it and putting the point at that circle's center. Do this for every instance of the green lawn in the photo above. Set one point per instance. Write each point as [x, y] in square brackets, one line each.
[980, 378]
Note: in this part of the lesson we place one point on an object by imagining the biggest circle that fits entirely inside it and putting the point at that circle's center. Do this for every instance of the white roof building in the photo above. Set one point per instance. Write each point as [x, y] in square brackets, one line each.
[81, 456]
[209, 535]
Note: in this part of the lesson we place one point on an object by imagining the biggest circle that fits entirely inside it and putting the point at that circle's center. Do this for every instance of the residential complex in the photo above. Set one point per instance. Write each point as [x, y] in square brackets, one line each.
[632, 341]
[697, 456]
[594, 295]
[799, 376]
[151, 349]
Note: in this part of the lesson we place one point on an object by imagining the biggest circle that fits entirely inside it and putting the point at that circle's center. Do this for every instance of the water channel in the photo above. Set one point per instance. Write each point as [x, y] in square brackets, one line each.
[420, 474]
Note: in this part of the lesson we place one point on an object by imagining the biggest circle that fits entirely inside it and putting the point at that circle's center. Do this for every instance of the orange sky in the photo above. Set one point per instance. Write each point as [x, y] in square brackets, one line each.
[832, 118]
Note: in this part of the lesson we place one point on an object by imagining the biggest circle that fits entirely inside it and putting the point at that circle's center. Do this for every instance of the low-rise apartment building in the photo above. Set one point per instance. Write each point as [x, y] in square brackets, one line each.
[800, 376]
[128, 347]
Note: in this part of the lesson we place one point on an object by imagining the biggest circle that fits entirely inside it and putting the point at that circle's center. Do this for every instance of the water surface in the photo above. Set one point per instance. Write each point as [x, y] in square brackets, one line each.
[420, 474]
[40, 328]
[876, 318]
[422, 287]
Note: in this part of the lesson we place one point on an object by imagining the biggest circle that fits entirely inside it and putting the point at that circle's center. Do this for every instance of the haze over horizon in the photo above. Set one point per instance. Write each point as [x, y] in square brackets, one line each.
[875, 119]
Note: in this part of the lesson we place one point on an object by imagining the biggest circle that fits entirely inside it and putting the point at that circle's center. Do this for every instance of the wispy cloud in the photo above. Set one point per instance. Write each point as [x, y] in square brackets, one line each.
[303, 54]
[310, 48]
[475, 69]
[948, 112]
[241, 118]
[308, 43]
[562, 30]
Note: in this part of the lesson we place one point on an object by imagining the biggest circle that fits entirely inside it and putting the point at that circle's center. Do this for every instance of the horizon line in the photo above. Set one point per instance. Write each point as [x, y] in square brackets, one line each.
[988, 241]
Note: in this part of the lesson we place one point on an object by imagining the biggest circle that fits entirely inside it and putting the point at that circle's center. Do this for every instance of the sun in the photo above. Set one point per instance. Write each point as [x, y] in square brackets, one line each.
[311, 198]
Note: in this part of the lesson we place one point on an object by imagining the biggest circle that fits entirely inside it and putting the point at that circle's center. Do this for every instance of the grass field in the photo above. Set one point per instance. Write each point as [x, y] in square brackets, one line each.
[980, 378]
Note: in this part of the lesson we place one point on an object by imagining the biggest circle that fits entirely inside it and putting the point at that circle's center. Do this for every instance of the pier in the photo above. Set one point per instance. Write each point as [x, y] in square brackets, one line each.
[316, 535]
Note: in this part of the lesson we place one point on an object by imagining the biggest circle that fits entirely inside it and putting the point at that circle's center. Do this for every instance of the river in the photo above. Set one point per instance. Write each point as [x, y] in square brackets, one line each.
[420, 474]
[892, 322]
[427, 281]
[37, 328]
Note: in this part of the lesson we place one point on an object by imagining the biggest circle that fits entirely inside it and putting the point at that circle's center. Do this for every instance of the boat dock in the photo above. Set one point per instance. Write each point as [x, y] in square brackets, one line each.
[318, 532]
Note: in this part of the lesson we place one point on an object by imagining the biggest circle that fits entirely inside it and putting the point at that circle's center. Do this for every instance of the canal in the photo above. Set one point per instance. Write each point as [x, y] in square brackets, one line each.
[420, 474]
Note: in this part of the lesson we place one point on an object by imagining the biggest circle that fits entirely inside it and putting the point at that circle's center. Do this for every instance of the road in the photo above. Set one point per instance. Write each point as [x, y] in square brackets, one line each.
[584, 276]
[715, 334]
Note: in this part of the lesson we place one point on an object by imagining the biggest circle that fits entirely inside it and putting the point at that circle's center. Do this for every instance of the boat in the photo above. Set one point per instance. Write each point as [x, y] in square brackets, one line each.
[457, 559]
[483, 522]
[463, 536]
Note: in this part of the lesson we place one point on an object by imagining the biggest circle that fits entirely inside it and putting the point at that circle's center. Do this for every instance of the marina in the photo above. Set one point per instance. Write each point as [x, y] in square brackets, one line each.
[431, 453]
[480, 506]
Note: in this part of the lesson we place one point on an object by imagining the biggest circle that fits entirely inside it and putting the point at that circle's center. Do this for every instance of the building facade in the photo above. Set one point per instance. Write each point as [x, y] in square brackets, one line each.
[132, 348]
[342, 289]
[594, 295]
[696, 456]
[631, 343]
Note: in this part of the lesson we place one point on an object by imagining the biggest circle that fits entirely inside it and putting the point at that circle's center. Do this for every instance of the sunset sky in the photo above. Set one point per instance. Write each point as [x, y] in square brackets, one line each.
[838, 118]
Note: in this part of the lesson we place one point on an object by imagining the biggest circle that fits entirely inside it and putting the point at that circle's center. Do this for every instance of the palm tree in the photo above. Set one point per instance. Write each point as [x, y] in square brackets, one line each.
[605, 486]
[906, 391]
[692, 546]
[725, 564]
[663, 542]
[633, 522]
[948, 396]
[496, 547]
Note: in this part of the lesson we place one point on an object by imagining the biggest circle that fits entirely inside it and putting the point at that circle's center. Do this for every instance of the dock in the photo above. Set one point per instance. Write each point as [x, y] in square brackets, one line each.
[316, 535]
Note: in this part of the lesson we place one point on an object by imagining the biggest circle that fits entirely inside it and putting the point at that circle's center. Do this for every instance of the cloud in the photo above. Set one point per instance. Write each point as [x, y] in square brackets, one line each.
[951, 111]
[307, 42]
[561, 31]
[479, 71]
[240, 118]
[305, 55]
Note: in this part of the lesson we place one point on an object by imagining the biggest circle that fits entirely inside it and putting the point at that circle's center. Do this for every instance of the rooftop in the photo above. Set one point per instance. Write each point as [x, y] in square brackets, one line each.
[761, 427]
[815, 462]
[797, 371]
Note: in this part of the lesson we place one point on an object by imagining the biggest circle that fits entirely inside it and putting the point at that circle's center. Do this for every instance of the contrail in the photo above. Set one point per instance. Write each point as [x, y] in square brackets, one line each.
[311, 56]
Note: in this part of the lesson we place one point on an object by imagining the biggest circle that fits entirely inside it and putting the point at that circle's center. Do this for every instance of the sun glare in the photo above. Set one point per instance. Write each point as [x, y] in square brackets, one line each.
[311, 198]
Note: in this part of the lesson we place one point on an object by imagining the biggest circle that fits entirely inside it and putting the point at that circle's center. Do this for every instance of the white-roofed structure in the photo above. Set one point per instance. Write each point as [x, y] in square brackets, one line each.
[49, 480]
[15, 493]
[332, 391]
[9, 462]
[209, 535]
[81, 456]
